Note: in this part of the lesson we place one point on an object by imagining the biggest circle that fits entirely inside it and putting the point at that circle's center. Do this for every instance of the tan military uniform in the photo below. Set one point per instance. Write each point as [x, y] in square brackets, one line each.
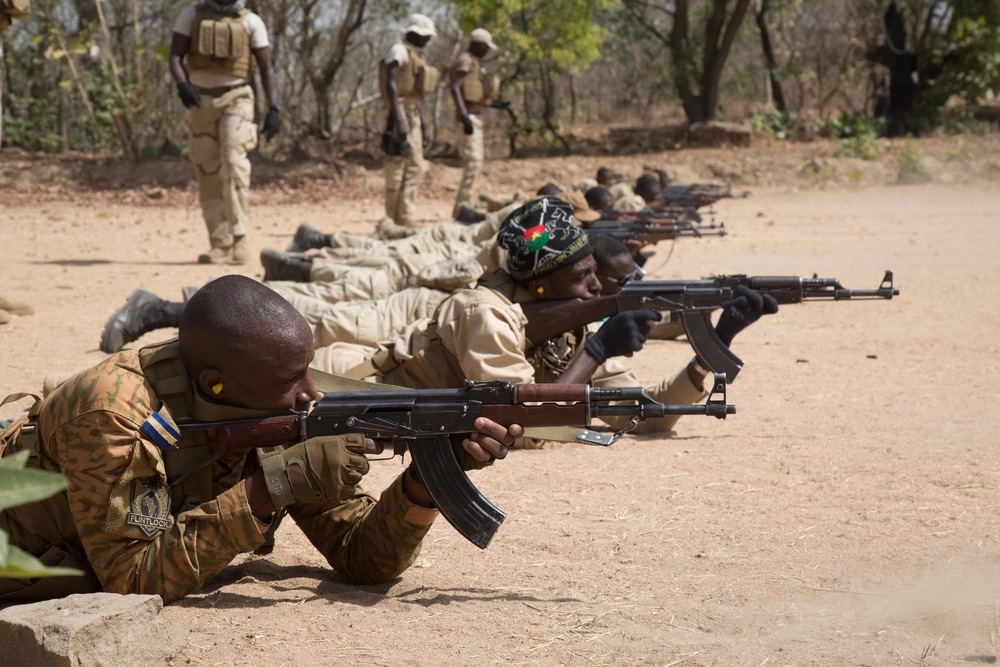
[447, 237]
[364, 322]
[222, 127]
[478, 88]
[404, 173]
[131, 520]
[479, 334]
[625, 198]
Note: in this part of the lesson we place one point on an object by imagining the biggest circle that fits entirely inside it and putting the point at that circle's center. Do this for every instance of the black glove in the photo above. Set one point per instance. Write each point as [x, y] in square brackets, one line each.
[467, 124]
[500, 104]
[272, 122]
[740, 312]
[621, 335]
[189, 96]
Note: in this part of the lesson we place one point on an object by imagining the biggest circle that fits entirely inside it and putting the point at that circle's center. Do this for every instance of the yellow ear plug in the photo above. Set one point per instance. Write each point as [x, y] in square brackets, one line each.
[540, 289]
[217, 388]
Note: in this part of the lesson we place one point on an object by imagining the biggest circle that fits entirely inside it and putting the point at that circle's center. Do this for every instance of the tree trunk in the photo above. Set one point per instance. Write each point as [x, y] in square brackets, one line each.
[549, 105]
[777, 93]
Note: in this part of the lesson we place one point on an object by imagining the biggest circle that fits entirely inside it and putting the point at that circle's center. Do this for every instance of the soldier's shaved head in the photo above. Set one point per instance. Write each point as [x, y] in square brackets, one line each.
[236, 320]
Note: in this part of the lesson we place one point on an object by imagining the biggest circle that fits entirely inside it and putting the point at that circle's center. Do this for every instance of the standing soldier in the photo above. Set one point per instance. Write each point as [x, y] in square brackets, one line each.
[472, 89]
[404, 78]
[210, 59]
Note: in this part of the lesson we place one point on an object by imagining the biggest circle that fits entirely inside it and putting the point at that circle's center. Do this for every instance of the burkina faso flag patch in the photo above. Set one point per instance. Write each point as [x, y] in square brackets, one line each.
[536, 237]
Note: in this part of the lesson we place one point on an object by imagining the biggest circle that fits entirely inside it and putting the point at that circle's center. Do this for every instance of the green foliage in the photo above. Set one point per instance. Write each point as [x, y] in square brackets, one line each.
[19, 486]
[858, 135]
[911, 169]
[770, 121]
[561, 35]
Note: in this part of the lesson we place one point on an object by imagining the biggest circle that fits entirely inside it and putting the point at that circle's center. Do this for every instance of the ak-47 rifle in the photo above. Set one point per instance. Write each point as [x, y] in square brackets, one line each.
[421, 421]
[696, 195]
[663, 215]
[694, 300]
[650, 231]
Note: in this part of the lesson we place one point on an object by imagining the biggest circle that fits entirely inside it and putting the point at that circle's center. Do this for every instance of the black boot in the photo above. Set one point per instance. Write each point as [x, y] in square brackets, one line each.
[308, 237]
[143, 312]
[283, 266]
[467, 214]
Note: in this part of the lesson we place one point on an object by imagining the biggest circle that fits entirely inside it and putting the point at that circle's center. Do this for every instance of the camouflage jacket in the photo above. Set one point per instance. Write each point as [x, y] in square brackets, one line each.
[140, 535]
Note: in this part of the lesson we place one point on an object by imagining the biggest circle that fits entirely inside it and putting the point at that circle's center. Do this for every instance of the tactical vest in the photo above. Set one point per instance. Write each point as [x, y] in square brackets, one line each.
[478, 86]
[220, 44]
[416, 77]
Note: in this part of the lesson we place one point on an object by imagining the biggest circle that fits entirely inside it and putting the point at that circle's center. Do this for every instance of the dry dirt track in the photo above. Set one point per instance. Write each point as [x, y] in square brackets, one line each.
[847, 515]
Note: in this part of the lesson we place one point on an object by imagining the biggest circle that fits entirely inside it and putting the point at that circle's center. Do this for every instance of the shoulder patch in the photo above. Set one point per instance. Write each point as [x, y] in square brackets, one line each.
[161, 429]
[150, 506]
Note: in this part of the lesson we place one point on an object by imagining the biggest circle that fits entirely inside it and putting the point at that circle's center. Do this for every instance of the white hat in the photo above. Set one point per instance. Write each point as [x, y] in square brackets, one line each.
[422, 25]
[483, 36]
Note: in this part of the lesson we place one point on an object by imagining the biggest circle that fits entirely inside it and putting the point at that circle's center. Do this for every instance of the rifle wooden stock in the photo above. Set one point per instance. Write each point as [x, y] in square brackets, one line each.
[548, 319]
[422, 421]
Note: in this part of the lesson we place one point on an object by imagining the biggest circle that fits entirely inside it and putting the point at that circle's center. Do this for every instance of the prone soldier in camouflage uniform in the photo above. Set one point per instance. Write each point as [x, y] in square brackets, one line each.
[154, 509]
[214, 48]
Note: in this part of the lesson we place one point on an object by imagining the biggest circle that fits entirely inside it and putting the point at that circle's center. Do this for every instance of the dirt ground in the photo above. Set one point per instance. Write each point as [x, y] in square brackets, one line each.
[846, 515]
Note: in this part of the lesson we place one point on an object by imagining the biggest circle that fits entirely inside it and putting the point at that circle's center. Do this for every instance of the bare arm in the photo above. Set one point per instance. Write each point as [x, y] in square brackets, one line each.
[458, 78]
[179, 46]
[263, 56]
[395, 106]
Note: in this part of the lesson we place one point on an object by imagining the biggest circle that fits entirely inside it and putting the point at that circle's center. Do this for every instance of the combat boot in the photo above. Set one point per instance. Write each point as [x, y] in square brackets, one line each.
[241, 251]
[143, 312]
[215, 256]
[283, 266]
[388, 230]
[308, 237]
[467, 214]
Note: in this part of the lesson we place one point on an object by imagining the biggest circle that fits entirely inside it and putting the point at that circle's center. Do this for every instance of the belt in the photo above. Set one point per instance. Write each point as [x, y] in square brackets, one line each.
[218, 92]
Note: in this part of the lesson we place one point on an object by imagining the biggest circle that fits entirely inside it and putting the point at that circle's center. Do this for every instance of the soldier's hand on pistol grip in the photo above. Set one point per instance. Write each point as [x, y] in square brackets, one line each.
[743, 310]
[467, 126]
[319, 469]
[189, 96]
[272, 122]
[622, 335]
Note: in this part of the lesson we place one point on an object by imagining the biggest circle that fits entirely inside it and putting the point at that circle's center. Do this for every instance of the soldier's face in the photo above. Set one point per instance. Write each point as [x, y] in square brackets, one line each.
[576, 281]
[617, 272]
[276, 381]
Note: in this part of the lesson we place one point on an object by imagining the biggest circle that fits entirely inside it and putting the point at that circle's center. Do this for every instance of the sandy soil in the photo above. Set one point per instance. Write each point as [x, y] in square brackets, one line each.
[846, 515]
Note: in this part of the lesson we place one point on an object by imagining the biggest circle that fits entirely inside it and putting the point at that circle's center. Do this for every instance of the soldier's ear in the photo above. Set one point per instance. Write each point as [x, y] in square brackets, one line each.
[210, 382]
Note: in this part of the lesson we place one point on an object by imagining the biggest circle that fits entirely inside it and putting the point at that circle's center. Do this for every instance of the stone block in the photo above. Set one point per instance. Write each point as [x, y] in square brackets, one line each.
[96, 630]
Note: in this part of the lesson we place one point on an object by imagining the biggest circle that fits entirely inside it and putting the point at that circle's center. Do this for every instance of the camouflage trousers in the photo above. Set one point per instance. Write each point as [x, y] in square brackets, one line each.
[365, 322]
[472, 154]
[403, 174]
[222, 133]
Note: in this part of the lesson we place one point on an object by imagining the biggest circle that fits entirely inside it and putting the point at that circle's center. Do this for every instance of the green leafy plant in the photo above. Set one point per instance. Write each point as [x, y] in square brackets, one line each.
[858, 135]
[19, 486]
[911, 169]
